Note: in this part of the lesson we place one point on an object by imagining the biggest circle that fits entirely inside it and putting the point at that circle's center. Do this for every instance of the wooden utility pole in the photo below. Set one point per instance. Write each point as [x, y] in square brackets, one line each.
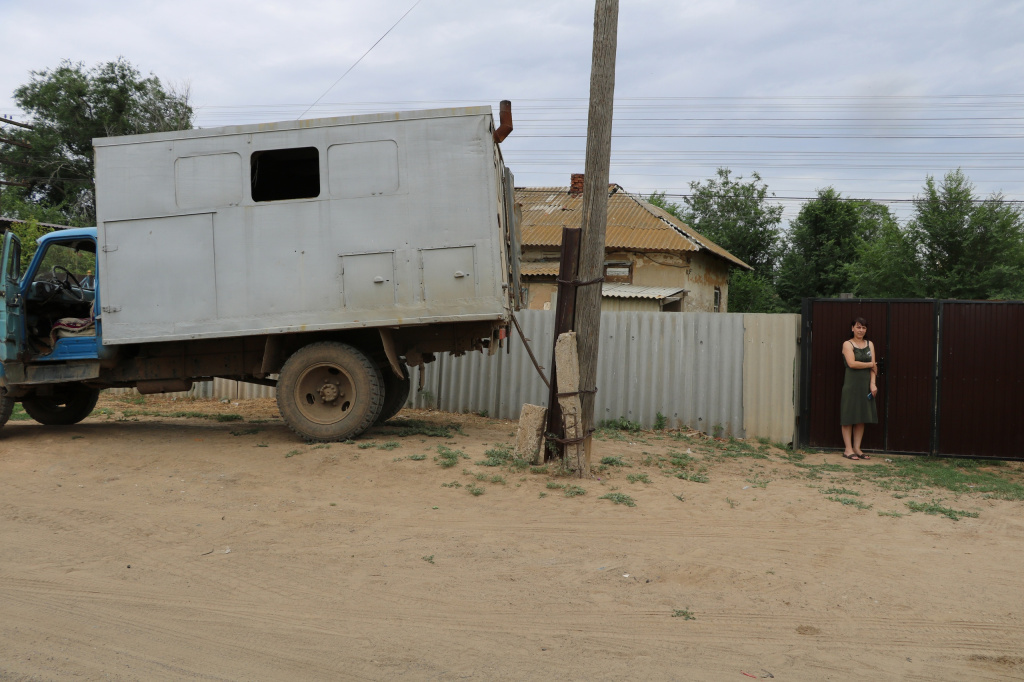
[595, 203]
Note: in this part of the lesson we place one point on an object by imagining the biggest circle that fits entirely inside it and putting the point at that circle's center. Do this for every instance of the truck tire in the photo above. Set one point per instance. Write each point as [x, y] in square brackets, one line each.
[396, 392]
[70, 404]
[329, 391]
[6, 407]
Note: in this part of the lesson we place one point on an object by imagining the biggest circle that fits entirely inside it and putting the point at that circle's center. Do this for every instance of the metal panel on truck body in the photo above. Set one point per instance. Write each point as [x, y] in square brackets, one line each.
[410, 185]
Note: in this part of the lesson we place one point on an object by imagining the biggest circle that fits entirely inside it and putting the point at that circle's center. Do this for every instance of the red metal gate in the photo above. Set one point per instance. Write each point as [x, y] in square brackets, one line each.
[950, 380]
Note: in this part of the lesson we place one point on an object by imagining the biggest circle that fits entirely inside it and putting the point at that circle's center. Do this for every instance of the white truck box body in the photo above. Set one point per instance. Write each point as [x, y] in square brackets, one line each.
[407, 228]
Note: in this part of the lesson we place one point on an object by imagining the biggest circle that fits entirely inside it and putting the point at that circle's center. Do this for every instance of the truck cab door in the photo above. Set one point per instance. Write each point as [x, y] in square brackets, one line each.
[11, 303]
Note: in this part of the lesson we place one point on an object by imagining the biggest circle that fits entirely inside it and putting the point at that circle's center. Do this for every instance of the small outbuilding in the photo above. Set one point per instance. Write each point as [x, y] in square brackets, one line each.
[653, 260]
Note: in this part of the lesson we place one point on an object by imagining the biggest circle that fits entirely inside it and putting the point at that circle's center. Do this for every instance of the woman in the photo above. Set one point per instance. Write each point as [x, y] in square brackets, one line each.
[857, 407]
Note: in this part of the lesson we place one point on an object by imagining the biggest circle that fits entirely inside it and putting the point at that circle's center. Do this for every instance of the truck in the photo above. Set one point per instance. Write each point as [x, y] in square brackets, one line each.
[323, 257]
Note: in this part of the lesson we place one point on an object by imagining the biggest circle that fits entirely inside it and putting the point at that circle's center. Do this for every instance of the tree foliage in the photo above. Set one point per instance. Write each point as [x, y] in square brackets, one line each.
[737, 216]
[825, 241]
[69, 106]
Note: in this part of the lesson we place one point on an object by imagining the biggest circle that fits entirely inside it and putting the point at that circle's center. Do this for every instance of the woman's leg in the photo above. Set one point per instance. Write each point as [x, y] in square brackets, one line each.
[847, 429]
[858, 436]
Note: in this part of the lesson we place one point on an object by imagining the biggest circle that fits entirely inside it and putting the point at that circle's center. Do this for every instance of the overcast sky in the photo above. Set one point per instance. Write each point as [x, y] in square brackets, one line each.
[867, 96]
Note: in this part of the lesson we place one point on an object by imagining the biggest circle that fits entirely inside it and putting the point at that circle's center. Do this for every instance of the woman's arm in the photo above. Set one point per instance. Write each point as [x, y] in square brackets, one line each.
[850, 362]
[874, 369]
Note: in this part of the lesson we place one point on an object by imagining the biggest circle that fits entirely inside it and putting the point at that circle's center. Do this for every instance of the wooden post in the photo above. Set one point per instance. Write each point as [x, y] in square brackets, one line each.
[595, 202]
[565, 307]
[567, 367]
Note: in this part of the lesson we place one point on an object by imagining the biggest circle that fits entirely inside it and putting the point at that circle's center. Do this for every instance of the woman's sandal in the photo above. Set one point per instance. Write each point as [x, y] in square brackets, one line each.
[854, 456]
[863, 455]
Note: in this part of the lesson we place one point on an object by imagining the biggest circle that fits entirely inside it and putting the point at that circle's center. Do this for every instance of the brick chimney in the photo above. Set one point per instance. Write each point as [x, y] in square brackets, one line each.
[576, 184]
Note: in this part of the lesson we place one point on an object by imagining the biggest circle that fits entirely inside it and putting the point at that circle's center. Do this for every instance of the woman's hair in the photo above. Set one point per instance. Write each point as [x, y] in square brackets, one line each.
[857, 320]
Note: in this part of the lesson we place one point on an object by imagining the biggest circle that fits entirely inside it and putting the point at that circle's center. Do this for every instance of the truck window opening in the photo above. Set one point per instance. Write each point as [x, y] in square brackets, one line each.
[280, 174]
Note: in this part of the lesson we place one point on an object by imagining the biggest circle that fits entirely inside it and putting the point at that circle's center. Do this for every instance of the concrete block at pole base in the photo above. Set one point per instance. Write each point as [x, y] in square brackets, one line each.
[567, 368]
[530, 436]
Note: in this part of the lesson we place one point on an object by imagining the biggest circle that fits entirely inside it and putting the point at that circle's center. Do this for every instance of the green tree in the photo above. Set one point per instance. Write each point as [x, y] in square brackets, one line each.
[967, 248]
[824, 242]
[69, 106]
[658, 199]
[737, 216]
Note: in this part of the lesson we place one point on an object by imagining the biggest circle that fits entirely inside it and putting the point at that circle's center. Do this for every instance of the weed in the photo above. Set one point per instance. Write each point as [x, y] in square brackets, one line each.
[482, 413]
[717, 430]
[732, 503]
[685, 614]
[428, 559]
[397, 459]
[680, 497]
[956, 475]
[447, 458]
[453, 484]
[894, 514]
[365, 446]
[389, 445]
[574, 491]
[417, 458]
[262, 445]
[693, 477]
[934, 507]
[480, 476]
[764, 441]
[496, 478]
[619, 498]
[245, 432]
[840, 491]
[322, 446]
[660, 422]
[621, 424]
[475, 491]
[542, 469]
[334, 504]
[638, 478]
[402, 428]
[502, 455]
[555, 486]
[542, 494]
[759, 482]
[293, 453]
[348, 441]
[613, 462]
[849, 501]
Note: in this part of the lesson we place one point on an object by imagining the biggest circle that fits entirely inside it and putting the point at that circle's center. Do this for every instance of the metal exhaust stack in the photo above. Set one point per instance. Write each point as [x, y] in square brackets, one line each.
[505, 118]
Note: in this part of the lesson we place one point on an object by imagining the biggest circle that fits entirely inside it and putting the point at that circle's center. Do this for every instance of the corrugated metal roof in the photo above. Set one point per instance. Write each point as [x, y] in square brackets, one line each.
[620, 290]
[537, 269]
[633, 224]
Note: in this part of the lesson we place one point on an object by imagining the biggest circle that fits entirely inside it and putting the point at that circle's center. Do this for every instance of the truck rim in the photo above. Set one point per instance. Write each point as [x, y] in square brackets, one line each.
[325, 393]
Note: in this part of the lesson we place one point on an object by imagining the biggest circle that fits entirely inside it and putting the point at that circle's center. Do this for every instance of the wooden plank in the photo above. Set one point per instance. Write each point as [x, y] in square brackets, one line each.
[530, 435]
[567, 368]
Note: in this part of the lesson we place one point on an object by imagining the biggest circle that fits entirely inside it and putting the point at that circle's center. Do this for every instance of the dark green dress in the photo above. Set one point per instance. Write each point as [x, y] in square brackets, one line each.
[855, 408]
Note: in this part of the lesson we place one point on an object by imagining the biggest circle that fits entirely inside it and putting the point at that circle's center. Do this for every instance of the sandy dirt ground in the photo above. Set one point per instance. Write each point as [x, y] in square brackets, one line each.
[140, 547]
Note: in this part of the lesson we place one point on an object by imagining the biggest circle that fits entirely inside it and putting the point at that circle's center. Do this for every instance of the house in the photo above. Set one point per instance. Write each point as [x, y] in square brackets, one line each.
[653, 261]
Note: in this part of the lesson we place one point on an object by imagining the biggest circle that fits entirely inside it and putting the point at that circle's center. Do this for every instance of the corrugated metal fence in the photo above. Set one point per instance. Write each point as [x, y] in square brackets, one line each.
[701, 370]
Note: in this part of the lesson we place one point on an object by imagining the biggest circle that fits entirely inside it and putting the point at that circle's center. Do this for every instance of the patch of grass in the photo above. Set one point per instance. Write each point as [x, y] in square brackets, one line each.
[693, 477]
[322, 446]
[849, 502]
[389, 445]
[262, 445]
[19, 414]
[502, 455]
[428, 559]
[417, 458]
[685, 614]
[475, 491]
[759, 482]
[619, 498]
[614, 462]
[542, 494]
[574, 491]
[480, 476]
[840, 491]
[293, 453]
[680, 497]
[552, 485]
[482, 413]
[717, 430]
[621, 424]
[230, 417]
[935, 508]
[453, 484]
[365, 446]
[638, 478]
[498, 478]
[447, 458]
[660, 422]
[542, 469]
[894, 514]
[244, 432]
[732, 503]
[956, 475]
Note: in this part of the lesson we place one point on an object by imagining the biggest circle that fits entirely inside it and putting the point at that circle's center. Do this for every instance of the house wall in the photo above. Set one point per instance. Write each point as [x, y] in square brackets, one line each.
[698, 272]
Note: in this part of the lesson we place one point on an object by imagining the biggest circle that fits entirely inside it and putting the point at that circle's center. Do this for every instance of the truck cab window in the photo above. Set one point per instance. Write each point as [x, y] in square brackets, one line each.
[279, 174]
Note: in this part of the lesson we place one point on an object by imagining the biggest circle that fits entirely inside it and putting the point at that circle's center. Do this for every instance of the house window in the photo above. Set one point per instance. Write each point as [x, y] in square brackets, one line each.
[279, 174]
[718, 299]
[618, 271]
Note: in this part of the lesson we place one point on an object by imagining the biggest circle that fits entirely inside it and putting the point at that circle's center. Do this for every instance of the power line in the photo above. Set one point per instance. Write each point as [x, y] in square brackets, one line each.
[361, 58]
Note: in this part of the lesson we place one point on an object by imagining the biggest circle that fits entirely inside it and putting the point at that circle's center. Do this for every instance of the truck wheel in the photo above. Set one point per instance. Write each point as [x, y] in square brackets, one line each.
[329, 391]
[396, 392]
[70, 404]
[6, 407]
